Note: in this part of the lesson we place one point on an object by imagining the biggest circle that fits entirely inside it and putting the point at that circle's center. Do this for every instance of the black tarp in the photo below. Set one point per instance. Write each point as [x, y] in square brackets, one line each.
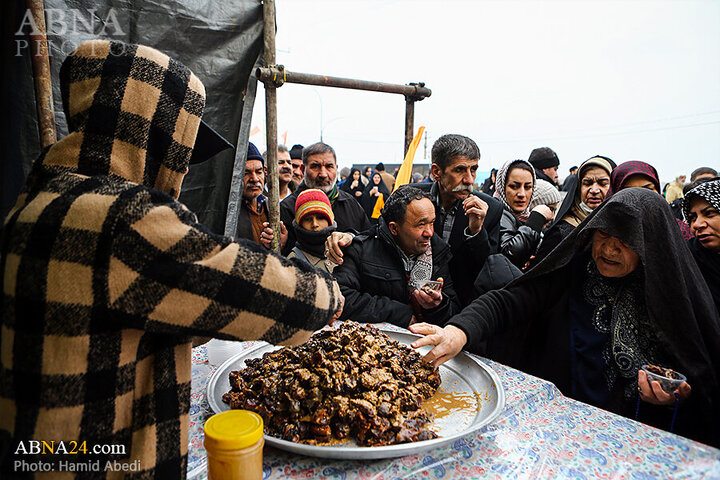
[220, 41]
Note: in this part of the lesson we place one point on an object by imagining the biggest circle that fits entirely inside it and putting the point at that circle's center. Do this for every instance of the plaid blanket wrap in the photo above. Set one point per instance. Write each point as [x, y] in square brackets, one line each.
[106, 277]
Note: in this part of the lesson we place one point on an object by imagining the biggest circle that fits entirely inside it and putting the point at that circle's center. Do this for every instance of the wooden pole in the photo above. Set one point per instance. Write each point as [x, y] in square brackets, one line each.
[41, 74]
[273, 178]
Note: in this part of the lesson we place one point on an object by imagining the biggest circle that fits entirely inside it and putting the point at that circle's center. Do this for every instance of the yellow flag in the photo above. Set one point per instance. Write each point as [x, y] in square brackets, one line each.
[403, 176]
[379, 204]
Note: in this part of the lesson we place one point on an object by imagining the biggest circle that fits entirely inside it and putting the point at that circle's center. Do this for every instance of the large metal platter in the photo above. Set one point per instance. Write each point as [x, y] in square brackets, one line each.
[463, 376]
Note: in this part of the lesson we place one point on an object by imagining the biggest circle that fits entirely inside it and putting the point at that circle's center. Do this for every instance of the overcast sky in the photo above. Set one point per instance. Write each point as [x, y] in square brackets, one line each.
[632, 80]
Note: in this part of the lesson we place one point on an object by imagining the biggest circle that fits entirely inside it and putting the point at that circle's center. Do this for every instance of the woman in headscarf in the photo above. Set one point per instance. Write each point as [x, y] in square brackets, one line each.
[585, 192]
[354, 185]
[375, 190]
[701, 207]
[643, 175]
[619, 292]
[520, 227]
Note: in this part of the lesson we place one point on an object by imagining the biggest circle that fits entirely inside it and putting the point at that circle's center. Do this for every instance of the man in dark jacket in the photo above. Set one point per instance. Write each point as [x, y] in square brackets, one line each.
[468, 220]
[545, 162]
[321, 172]
[386, 269]
[298, 169]
[570, 179]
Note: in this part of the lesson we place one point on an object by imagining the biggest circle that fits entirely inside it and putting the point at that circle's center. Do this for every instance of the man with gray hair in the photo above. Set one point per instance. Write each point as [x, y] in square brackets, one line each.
[320, 164]
[468, 220]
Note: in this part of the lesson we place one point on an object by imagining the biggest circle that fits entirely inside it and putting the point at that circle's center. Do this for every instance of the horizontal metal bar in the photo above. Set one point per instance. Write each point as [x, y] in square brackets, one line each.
[278, 76]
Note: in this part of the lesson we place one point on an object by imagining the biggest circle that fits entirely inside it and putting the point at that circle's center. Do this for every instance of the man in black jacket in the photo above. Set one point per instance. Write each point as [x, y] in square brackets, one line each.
[468, 220]
[321, 172]
[545, 162]
[385, 273]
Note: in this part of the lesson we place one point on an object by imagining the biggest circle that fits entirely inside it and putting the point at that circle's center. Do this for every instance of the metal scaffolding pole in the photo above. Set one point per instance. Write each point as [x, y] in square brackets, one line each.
[274, 76]
[413, 92]
[271, 126]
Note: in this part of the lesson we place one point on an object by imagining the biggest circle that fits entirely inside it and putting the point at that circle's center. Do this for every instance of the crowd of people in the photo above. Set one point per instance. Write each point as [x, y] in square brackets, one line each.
[581, 283]
[108, 280]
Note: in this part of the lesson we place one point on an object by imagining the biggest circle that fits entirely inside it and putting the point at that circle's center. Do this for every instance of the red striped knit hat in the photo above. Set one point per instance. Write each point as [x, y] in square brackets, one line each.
[313, 201]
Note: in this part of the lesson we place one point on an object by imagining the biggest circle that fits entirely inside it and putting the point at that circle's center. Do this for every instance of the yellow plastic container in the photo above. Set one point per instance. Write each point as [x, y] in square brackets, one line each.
[234, 444]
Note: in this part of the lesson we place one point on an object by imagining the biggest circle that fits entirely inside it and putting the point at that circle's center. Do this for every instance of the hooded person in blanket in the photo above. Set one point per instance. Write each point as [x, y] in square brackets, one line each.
[106, 277]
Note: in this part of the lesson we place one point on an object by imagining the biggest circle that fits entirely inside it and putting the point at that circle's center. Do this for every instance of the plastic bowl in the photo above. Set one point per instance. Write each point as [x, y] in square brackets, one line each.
[669, 379]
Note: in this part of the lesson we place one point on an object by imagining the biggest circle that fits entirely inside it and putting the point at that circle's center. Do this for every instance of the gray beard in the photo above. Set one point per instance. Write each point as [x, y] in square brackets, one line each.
[325, 188]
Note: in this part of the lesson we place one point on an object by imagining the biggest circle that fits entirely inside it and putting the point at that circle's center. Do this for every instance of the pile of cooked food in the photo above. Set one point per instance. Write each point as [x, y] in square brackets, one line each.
[350, 382]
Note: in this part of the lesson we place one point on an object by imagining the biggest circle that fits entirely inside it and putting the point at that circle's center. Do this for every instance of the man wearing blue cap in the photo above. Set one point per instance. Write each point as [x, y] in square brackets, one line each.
[253, 217]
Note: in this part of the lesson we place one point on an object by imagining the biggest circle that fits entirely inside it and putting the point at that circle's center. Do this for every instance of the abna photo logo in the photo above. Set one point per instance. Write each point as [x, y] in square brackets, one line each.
[59, 23]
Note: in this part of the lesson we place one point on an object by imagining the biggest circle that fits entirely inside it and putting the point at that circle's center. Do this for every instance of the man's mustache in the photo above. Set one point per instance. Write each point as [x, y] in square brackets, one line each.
[462, 188]
[285, 170]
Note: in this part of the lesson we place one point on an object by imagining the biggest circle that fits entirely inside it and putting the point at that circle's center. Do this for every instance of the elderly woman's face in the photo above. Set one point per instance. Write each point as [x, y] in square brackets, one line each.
[704, 220]
[612, 256]
[518, 189]
[594, 186]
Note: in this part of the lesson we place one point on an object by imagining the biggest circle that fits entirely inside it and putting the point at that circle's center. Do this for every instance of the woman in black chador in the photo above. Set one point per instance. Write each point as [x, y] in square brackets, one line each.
[622, 290]
[354, 185]
[374, 190]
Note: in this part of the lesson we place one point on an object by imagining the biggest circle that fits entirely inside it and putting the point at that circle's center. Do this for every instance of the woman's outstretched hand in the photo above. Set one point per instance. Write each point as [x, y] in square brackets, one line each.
[448, 341]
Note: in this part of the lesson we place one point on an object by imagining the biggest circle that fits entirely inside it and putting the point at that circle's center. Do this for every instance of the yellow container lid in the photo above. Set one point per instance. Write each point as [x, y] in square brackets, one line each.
[233, 429]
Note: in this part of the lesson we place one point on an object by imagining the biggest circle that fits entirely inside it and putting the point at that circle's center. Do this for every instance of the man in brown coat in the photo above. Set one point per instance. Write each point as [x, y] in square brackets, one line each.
[107, 277]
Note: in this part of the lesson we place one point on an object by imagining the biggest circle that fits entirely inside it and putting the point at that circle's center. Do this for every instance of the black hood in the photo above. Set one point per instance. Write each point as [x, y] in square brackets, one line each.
[676, 295]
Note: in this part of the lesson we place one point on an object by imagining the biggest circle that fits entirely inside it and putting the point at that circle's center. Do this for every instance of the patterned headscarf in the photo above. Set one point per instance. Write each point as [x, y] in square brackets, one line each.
[710, 191]
[625, 170]
[500, 180]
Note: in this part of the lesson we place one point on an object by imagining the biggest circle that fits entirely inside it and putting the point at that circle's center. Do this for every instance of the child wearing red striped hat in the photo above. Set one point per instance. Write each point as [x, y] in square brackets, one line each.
[314, 222]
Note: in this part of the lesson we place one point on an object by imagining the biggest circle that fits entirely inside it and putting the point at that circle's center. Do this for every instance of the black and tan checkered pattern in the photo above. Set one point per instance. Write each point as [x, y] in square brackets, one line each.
[106, 277]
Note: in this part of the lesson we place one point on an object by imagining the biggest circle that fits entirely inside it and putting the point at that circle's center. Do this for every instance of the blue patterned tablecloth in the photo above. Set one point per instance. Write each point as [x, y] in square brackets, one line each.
[541, 434]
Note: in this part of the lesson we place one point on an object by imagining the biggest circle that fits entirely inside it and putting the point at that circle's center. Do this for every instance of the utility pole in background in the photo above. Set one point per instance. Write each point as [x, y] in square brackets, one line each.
[425, 144]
